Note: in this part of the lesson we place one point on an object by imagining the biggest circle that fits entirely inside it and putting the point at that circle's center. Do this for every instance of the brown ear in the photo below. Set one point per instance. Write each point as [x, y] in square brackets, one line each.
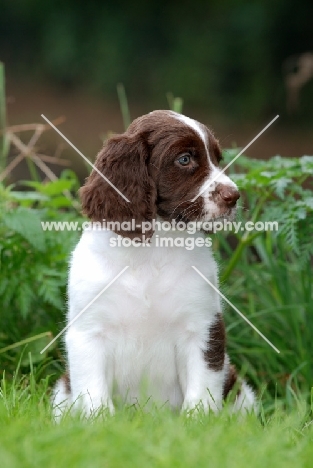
[124, 162]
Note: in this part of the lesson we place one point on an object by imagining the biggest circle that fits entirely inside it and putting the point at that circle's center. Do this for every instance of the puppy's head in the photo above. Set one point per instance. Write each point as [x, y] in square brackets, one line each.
[166, 165]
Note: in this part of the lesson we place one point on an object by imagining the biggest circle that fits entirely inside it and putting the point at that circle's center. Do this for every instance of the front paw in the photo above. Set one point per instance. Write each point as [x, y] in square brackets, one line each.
[193, 406]
[90, 406]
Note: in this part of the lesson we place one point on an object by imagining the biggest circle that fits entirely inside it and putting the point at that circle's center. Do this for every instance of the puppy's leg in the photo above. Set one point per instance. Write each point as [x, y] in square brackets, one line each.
[61, 397]
[203, 370]
[202, 387]
[244, 398]
[91, 377]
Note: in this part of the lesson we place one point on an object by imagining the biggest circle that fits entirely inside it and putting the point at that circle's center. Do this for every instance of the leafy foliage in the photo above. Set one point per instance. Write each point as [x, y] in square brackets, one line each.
[275, 192]
[267, 275]
[33, 271]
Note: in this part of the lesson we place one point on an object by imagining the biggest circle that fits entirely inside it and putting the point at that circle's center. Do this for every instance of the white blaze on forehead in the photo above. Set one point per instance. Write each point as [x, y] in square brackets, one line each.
[193, 124]
[218, 177]
[215, 177]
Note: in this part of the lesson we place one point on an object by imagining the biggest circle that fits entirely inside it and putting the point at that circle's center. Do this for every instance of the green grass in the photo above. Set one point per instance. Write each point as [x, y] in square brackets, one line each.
[135, 438]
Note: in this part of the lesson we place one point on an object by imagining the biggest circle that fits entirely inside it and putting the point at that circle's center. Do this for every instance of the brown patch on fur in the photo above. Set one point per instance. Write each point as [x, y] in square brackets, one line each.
[214, 149]
[214, 355]
[143, 164]
[124, 162]
[230, 381]
[67, 382]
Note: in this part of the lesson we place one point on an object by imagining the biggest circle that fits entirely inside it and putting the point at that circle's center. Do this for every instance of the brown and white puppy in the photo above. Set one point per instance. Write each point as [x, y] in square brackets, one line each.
[157, 330]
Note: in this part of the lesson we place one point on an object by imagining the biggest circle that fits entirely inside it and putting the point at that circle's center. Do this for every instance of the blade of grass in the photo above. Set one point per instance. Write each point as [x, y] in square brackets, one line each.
[123, 105]
[4, 144]
[178, 105]
[175, 103]
[26, 341]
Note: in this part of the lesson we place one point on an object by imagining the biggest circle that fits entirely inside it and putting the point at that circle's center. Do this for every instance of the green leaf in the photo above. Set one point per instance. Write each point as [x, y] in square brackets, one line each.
[25, 297]
[60, 202]
[29, 196]
[280, 185]
[55, 187]
[308, 202]
[26, 222]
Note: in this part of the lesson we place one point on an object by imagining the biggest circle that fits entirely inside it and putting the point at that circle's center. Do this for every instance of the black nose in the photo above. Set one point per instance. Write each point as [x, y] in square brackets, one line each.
[228, 194]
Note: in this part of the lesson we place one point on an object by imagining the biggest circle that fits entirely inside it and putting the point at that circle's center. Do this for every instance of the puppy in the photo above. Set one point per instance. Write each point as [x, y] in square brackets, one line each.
[144, 324]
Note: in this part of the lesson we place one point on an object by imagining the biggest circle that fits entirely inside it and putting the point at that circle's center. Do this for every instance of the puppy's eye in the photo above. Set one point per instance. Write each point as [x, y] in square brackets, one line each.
[184, 159]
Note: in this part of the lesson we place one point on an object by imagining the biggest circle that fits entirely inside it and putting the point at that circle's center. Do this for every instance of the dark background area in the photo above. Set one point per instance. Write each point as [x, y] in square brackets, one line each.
[229, 60]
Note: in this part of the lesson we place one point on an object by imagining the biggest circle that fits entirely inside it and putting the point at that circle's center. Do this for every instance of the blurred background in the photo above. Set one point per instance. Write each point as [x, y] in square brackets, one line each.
[235, 63]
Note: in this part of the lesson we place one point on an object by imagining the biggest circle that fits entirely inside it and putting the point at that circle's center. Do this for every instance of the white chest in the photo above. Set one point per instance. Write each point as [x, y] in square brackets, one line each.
[148, 315]
[159, 286]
